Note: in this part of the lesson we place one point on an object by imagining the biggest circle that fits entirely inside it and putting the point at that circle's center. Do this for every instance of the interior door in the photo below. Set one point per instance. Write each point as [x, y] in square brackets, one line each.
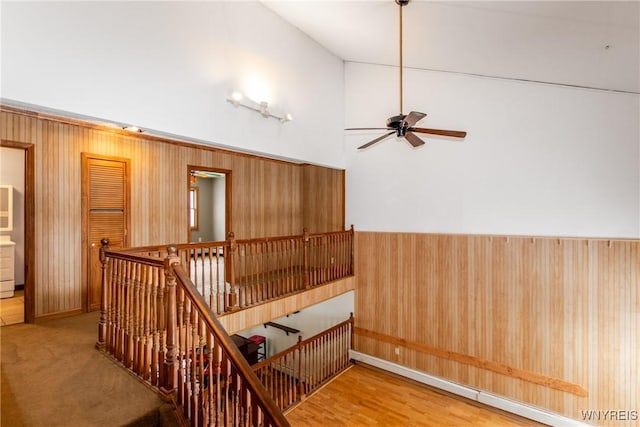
[105, 214]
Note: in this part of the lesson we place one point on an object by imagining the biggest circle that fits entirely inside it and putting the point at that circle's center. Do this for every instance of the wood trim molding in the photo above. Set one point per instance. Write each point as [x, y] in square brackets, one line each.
[533, 377]
[29, 226]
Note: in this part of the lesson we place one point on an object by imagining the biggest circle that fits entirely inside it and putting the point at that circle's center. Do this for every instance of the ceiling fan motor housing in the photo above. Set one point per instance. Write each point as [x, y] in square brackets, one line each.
[395, 122]
[398, 123]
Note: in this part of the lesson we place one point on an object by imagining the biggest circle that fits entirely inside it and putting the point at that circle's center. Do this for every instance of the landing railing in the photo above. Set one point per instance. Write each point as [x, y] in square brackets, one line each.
[294, 373]
[158, 315]
[236, 274]
[156, 323]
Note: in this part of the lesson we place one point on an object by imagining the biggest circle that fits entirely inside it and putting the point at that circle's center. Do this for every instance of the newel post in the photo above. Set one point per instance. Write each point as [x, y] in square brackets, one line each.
[104, 303]
[305, 260]
[231, 300]
[353, 245]
[170, 366]
[351, 322]
[302, 380]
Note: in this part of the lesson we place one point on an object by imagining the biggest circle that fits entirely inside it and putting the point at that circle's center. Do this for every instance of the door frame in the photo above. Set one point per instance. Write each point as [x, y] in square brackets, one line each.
[227, 196]
[29, 226]
[86, 271]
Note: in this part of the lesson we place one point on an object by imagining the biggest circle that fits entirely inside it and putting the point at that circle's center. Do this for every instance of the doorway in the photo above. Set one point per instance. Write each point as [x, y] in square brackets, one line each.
[105, 214]
[208, 204]
[18, 163]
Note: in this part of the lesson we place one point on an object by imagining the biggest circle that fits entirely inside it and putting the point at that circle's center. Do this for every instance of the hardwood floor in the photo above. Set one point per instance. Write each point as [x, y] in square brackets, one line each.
[12, 309]
[366, 396]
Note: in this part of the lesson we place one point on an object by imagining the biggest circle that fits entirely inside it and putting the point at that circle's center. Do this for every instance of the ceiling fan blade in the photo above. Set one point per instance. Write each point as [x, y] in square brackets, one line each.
[453, 133]
[370, 143]
[367, 128]
[413, 118]
[413, 139]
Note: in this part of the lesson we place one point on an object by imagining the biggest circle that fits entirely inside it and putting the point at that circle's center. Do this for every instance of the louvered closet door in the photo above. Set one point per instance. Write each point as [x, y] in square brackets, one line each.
[105, 198]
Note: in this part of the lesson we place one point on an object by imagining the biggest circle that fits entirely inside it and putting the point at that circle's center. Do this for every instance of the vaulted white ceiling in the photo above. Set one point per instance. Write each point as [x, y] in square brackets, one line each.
[584, 43]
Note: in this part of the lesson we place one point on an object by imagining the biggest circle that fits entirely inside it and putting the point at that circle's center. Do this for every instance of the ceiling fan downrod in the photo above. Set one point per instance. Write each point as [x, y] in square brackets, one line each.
[401, 3]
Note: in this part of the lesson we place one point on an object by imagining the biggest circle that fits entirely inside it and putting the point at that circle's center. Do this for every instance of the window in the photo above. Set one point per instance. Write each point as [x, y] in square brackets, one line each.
[193, 208]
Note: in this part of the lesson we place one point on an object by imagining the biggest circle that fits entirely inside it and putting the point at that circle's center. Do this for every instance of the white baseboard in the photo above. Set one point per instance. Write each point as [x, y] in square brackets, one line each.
[483, 397]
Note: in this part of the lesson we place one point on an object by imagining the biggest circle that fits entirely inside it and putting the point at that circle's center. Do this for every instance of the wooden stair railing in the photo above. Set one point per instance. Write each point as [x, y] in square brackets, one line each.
[236, 274]
[218, 387]
[292, 374]
[155, 322]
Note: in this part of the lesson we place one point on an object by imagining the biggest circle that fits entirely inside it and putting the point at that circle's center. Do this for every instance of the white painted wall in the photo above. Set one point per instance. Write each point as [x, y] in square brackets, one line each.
[169, 66]
[12, 163]
[310, 321]
[538, 159]
[219, 208]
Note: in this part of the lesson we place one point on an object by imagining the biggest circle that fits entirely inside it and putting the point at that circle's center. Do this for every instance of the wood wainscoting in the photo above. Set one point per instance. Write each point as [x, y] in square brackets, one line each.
[267, 194]
[552, 322]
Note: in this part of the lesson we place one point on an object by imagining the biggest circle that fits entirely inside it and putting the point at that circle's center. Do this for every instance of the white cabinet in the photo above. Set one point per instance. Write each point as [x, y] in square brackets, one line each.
[7, 256]
[7, 247]
[6, 208]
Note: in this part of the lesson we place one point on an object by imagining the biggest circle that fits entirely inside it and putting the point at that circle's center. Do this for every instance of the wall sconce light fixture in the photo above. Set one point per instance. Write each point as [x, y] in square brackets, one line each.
[236, 99]
[133, 129]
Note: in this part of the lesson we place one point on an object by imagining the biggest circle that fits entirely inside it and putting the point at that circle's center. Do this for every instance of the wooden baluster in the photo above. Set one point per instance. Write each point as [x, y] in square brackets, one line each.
[128, 342]
[252, 273]
[182, 349]
[305, 239]
[296, 279]
[117, 314]
[301, 372]
[261, 270]
[162, 323]
[193, 363]
[351, 323]
[171, 373]
[257, 286]
[122, 315]
[137, 319]
[229, 269]
[111, 309]
[221, 295]
[104, 302]
[210, 284]
[148, 283]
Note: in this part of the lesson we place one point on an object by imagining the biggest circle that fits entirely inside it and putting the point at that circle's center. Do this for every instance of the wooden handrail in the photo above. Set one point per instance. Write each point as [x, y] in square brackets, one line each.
[332, 233]
[329, 331]
[287, 329]
[124, 254]
[197, 245]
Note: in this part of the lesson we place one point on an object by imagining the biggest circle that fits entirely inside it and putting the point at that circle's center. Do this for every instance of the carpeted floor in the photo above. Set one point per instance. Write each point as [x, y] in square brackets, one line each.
[52, 375]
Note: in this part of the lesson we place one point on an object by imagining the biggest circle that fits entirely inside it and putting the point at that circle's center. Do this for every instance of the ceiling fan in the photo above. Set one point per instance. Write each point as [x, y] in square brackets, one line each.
[403, 125]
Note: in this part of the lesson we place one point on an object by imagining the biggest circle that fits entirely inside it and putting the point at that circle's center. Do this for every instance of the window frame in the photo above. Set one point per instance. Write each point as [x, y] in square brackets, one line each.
[193, 210]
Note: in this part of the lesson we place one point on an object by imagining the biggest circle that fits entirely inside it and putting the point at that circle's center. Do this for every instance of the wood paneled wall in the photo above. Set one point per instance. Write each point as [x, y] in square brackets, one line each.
[267, 195]
[320, 191]
[552, 322]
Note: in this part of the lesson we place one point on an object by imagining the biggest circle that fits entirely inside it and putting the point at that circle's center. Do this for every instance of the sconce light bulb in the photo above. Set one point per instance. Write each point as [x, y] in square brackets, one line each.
[235, 98]
[287, 118]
